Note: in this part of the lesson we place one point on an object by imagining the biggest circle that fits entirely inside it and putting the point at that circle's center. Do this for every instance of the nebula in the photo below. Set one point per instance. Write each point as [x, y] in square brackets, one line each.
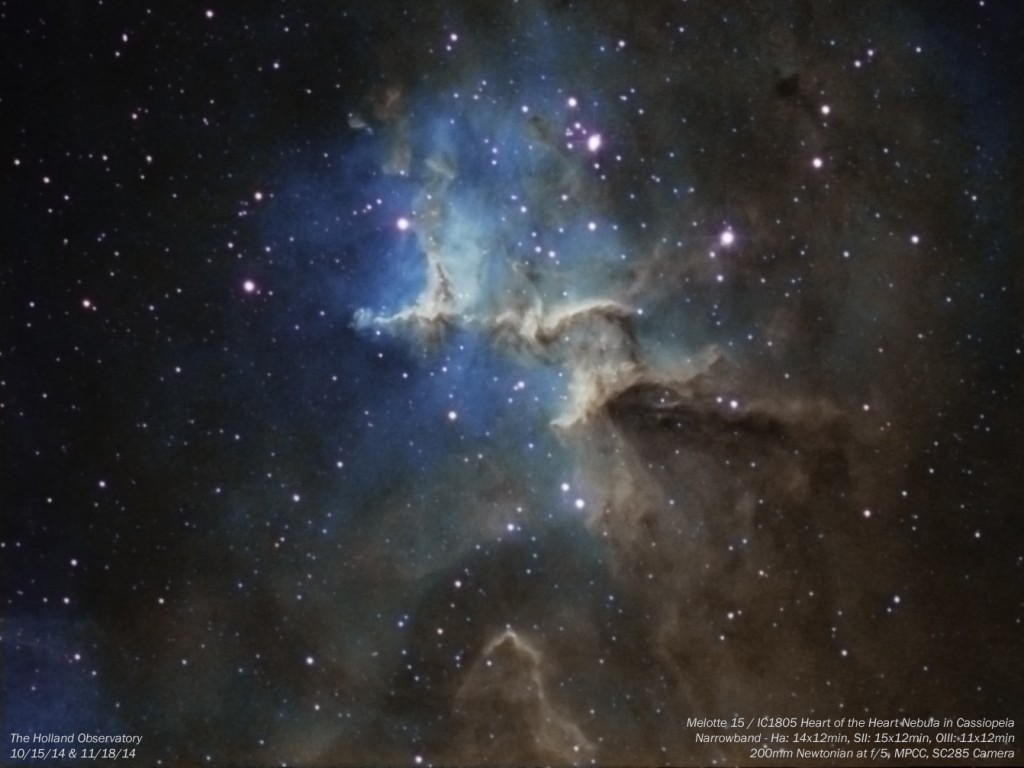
[510, 383]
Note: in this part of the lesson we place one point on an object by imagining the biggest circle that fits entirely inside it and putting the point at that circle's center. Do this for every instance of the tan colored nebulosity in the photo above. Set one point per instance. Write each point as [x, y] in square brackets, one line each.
[506, 712]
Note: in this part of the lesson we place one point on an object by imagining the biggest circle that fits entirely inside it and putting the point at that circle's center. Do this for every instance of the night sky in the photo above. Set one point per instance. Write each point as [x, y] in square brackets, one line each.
[507, 382]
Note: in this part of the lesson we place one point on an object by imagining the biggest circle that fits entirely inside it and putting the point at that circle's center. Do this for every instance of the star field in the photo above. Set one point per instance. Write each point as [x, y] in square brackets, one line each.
[506, 383]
